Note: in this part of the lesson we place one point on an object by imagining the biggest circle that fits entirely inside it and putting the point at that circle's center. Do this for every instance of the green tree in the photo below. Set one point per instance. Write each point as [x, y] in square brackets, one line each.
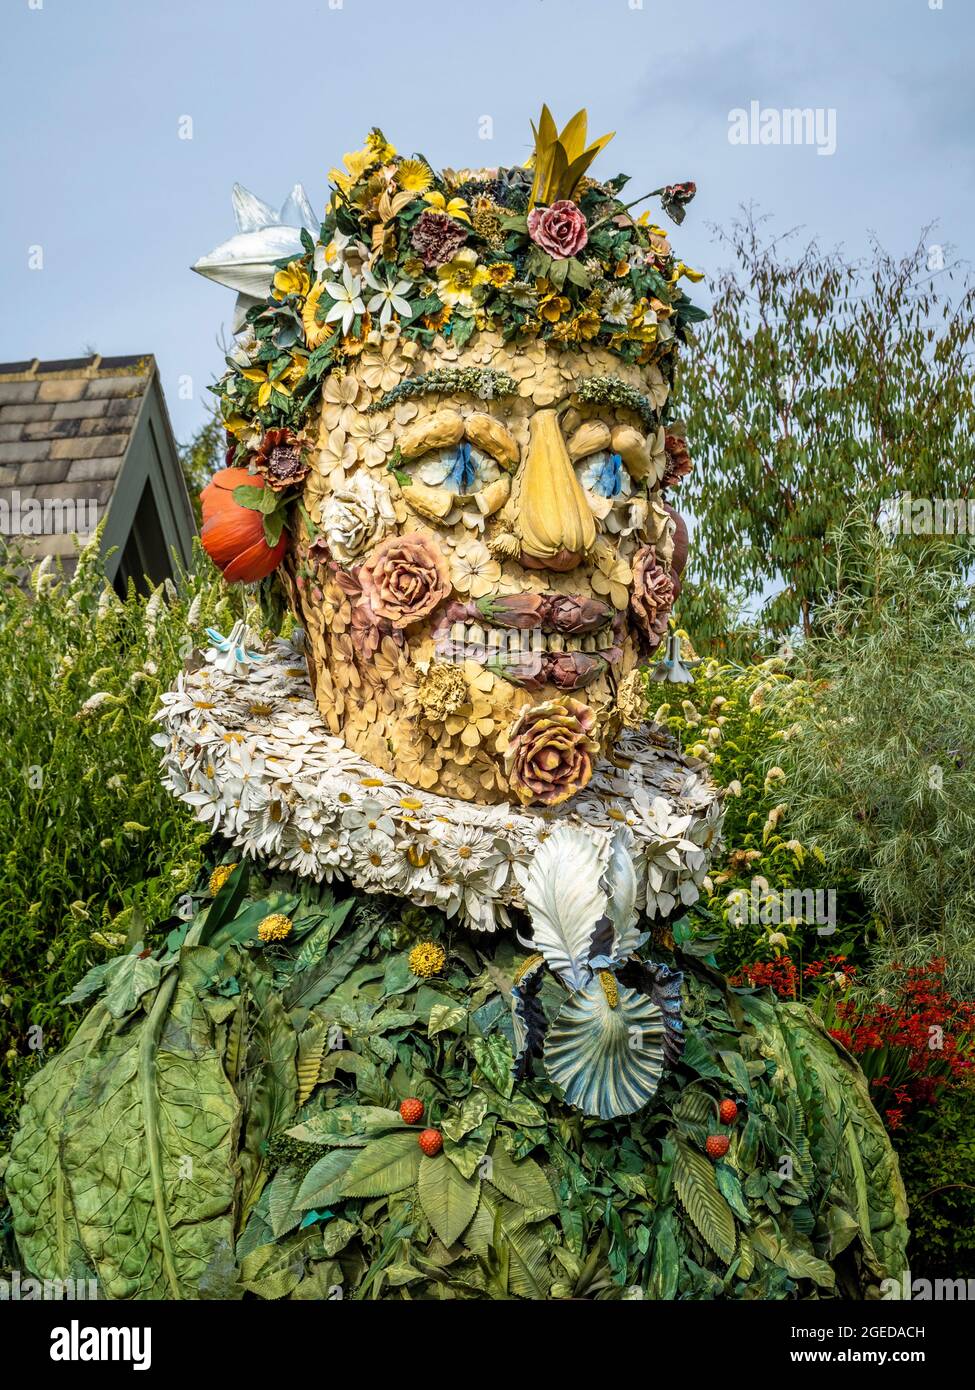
[820, 383]
[881, 773]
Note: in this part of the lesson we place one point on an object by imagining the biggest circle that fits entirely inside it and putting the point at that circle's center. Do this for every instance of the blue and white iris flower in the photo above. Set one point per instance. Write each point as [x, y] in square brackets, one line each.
[605, 476]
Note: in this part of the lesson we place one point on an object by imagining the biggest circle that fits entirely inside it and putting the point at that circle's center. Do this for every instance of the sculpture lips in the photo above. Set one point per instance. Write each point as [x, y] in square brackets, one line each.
[571, 614]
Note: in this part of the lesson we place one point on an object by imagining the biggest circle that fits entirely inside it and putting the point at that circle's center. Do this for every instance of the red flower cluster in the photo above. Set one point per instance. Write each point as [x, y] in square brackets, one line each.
[915, 1047]
[832, 965]
[780, 975]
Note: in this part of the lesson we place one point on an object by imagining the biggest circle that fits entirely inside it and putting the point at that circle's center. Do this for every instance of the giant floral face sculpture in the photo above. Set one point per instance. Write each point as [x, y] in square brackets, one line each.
[459, 393]
[491, 560]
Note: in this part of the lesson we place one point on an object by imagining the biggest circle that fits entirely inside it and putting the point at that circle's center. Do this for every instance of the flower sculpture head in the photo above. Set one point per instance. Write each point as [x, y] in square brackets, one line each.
[454, 405]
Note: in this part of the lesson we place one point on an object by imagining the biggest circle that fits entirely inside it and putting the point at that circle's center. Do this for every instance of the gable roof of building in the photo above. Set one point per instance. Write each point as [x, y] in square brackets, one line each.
[93, 432]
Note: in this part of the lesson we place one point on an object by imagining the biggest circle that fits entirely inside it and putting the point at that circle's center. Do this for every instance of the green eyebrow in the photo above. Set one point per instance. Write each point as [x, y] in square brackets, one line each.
[482, 382]
[610, 390]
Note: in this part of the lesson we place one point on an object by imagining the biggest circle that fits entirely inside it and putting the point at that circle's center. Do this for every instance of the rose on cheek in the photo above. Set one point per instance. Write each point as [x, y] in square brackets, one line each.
[559, 230]
[405, 578]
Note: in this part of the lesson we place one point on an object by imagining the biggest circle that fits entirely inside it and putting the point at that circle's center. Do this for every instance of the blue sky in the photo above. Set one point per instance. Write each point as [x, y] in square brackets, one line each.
[93, 92]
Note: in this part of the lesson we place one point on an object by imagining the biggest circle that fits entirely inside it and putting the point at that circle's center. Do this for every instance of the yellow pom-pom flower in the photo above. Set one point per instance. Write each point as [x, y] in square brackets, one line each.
[219, 877]
[426, 959]
[275, 928]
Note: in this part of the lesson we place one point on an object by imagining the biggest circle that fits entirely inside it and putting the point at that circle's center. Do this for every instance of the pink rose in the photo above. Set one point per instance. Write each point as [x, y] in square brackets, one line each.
[405, 578]
[560, 230]
[550, 749]
[652, 597]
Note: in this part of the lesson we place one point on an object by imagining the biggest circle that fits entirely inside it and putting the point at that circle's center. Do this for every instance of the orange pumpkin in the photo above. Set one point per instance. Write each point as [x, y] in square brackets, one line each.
[232, 535]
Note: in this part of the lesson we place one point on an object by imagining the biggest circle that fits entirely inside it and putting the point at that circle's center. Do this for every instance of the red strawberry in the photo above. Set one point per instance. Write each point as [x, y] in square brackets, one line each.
[717, 1145]
[728, 1111]
[431, 1142]
[411, 1110]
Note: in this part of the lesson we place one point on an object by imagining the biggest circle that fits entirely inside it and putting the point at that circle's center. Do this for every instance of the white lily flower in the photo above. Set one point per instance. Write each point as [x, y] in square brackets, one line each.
[388, 297]
[347, 294]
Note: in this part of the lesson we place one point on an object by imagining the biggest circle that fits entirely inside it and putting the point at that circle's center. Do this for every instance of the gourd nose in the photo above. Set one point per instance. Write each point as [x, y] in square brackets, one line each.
[555, 522]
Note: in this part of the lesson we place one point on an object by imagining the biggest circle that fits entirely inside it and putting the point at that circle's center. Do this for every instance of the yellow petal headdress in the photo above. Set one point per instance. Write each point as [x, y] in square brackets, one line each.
[560, 160]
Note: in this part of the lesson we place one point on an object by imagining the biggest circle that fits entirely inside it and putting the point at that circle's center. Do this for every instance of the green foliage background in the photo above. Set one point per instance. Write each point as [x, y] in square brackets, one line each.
[91, 847]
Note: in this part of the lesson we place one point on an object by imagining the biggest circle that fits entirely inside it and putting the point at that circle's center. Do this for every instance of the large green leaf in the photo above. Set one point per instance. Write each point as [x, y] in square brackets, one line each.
[385, 1165]
[124, 1162]
[500, 1225]
[323, 1181]
[449, 1200]
[311, 986]
[524, 1182]
[709, 1213]
[796, 1259]
[270, 1083]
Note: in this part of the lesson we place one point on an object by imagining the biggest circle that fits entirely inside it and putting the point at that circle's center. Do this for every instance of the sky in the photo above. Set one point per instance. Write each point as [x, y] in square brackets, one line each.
[125, 123]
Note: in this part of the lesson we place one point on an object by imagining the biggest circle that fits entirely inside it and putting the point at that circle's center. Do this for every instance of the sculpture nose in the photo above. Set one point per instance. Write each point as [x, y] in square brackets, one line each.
[554, 520]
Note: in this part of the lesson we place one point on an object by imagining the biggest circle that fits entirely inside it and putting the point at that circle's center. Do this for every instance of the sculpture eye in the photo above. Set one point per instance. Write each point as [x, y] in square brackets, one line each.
[605, 475]
[460, 469]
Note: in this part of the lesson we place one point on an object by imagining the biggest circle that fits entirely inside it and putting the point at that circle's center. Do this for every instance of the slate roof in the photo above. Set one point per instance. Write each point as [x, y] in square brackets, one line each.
[66, 428]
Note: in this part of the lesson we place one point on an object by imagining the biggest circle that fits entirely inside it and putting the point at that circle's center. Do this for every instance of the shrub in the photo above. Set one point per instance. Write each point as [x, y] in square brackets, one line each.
[739, 719]
[937, 1165]
[92, 847]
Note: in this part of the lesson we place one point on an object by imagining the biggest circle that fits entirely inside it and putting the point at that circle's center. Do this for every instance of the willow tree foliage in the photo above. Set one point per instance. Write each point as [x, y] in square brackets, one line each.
[881, 773]
[820, 383]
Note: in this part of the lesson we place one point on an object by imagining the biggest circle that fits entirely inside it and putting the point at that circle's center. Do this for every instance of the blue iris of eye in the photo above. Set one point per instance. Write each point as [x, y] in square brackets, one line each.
[463, 471]
[608, 478]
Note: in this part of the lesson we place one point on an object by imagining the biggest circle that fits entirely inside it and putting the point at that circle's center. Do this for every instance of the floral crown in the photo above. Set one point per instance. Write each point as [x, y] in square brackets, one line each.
[539, 252]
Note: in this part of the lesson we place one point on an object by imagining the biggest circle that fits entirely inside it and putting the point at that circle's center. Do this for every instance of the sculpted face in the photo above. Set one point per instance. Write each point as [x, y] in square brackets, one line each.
[495, 555]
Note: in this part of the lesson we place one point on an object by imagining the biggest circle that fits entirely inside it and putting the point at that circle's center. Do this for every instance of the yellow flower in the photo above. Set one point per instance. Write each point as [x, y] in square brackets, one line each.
[439, 320]
[427, 959]
[356, 164]
[265, 385]
[293, 280]
[285, 383]
[315, 333]
[414, 176]
[681, 269]
[238, 426]
[500, 273]
[219, 877]
[459, 277]
[380, 146]
[275, 928]
[551, 304]
[457, 207]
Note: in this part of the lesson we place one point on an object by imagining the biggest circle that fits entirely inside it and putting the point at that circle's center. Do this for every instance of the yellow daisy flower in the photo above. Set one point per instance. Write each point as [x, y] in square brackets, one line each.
[414, 176]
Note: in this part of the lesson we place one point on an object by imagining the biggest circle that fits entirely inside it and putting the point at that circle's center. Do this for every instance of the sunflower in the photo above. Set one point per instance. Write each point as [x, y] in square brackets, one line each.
[500, 273]
[315, 333]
